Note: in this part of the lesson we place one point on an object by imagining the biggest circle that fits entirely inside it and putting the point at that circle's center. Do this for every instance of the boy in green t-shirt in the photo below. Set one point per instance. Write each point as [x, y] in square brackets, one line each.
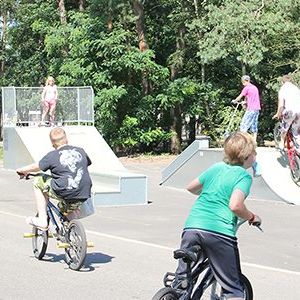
[212, 221]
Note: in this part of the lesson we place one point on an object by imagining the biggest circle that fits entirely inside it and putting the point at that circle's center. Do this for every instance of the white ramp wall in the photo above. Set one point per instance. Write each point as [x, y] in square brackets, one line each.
[274, 184]
[113, 184]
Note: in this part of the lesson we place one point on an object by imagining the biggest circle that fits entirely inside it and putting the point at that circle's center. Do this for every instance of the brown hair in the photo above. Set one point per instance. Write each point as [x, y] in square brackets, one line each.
[238, 147]
[58, 137]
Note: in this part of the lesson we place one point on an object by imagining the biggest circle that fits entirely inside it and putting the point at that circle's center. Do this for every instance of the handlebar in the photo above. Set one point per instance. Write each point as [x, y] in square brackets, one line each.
[237, 102]
[28, 175]
[255, 224]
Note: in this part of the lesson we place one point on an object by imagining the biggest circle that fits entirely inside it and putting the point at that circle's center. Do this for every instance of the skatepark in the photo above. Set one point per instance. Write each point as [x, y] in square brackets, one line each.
[137, 225]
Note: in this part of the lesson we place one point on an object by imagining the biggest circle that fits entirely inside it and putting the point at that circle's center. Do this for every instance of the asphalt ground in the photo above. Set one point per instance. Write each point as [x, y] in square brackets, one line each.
[134, 245]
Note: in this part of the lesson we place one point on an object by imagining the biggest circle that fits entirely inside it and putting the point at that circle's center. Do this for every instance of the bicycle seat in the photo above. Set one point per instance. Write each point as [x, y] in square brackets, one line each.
[188, 255]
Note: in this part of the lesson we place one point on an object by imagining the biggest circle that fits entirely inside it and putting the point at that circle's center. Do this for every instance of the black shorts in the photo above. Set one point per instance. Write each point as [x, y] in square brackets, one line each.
[223, 256]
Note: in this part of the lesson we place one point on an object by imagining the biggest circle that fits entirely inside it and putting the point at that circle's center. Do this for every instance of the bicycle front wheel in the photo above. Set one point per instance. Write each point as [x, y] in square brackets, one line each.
[39, 242]
[214, 290]
[76, 238]
[277, 134]
[166, 293]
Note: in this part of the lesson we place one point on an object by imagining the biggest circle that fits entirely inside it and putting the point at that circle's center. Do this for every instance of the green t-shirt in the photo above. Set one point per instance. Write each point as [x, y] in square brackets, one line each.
[211, 210]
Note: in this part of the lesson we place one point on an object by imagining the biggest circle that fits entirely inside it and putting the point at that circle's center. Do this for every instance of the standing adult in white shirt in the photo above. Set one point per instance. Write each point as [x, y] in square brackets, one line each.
[288, 108]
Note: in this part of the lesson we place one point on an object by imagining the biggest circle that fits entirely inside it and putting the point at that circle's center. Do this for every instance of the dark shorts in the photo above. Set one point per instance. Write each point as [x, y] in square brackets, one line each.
[223, 256]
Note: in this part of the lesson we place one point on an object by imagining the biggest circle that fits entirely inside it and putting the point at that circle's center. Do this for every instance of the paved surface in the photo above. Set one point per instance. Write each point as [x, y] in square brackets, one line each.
[134, 244]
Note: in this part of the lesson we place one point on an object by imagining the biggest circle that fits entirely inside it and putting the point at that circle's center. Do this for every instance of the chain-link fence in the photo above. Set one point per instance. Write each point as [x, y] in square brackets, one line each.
[23, 106]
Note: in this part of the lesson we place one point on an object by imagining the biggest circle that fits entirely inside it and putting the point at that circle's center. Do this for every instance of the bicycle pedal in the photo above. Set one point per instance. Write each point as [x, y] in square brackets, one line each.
[63, 245]
[28, 235]
[90, 244]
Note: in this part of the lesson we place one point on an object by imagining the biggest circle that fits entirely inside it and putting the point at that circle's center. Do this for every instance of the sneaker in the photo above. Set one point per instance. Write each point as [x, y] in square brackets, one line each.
[37, 222]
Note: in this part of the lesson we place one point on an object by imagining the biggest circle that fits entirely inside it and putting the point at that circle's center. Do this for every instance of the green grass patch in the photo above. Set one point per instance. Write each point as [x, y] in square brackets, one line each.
[1, 152]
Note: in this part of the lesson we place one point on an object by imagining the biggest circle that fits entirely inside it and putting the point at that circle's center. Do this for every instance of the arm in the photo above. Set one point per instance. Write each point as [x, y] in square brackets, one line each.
[43, 94]
[280, 107]
[237, 206]
[195, 187]
[56, 94]
[239, 97]
[29, 168]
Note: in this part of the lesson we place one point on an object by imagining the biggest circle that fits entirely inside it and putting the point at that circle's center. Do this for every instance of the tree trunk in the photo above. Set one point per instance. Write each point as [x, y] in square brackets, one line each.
[143, 46]
[62, 12]
[110, 17]
[175, 112]
[3, 41]
[81, 5]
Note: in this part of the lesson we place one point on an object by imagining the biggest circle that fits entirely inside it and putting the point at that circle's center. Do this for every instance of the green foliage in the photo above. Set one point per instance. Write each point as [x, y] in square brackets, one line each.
[198, 51]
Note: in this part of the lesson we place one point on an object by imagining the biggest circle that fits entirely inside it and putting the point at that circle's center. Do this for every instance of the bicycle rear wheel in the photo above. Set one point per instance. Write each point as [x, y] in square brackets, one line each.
[76, 238]
[277, 134]
[214, 290]
[166, 293]
[39, 242]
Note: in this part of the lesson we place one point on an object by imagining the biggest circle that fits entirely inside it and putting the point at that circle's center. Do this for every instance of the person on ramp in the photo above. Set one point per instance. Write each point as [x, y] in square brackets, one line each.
[49, 100]
[288, 109]
[69, 183]
[250, 118]
[212, 221]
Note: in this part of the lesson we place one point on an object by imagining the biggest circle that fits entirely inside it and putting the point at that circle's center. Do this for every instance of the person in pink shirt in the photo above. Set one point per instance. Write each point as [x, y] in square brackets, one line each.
[250, 118]
[49, 99]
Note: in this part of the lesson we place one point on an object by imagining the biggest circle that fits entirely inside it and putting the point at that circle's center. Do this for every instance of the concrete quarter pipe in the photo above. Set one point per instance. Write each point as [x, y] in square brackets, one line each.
[274, 184]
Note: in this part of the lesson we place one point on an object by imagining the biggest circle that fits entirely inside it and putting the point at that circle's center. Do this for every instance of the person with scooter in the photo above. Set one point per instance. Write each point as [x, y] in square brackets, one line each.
[250, 118]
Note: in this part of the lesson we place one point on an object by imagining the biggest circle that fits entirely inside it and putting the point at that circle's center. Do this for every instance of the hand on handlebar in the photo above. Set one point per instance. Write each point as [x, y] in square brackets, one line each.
[21, 174]
[256, 221]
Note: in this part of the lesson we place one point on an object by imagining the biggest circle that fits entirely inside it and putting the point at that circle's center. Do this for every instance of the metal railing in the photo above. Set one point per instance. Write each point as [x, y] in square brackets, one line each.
[22, 105]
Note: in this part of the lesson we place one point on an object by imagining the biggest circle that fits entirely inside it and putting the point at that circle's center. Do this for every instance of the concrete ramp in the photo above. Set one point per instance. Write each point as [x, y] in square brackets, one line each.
[274, 184]
[113, 184]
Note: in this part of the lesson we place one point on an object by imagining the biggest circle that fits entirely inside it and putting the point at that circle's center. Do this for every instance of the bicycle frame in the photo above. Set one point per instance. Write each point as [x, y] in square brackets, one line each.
[188, 288]
[51, 209]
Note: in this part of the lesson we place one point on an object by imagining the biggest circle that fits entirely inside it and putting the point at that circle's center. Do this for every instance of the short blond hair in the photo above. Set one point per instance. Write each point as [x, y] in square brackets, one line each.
[50, 78]
[58, 137]
[238, 147]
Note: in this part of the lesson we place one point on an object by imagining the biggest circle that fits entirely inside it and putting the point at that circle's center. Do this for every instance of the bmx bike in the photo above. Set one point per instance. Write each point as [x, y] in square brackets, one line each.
[199, 281]
[70, 235]
[292, 154]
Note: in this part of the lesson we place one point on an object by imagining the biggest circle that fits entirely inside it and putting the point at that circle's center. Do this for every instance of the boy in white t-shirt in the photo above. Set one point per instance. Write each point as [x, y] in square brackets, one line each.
[288, 108]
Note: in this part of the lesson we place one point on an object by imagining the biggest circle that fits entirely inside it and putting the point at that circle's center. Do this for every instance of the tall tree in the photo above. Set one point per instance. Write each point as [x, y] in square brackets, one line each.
[62, 12]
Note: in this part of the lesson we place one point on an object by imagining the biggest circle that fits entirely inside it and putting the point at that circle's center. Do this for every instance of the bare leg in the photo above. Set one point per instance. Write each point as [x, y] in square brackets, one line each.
[255, 137]
[281, 143]
[41, 204]
[52, 114]
[45, 111]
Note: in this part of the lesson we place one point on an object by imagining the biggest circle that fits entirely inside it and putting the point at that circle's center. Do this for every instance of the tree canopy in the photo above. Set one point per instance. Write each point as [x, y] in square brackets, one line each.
[161, 70]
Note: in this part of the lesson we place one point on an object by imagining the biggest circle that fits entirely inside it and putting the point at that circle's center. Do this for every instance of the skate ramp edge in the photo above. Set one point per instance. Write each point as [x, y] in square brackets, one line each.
[274, 184]
[113, 184]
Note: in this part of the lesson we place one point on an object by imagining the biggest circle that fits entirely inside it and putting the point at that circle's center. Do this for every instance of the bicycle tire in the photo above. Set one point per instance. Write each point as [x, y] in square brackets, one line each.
[39, 242]
[166, 293]
[76, 238]
[277, 134]
[214, 291]
[295, 172]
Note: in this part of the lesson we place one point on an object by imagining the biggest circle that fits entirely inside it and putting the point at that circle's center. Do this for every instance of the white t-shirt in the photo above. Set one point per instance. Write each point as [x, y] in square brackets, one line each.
[289, 97]
[50, 92]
